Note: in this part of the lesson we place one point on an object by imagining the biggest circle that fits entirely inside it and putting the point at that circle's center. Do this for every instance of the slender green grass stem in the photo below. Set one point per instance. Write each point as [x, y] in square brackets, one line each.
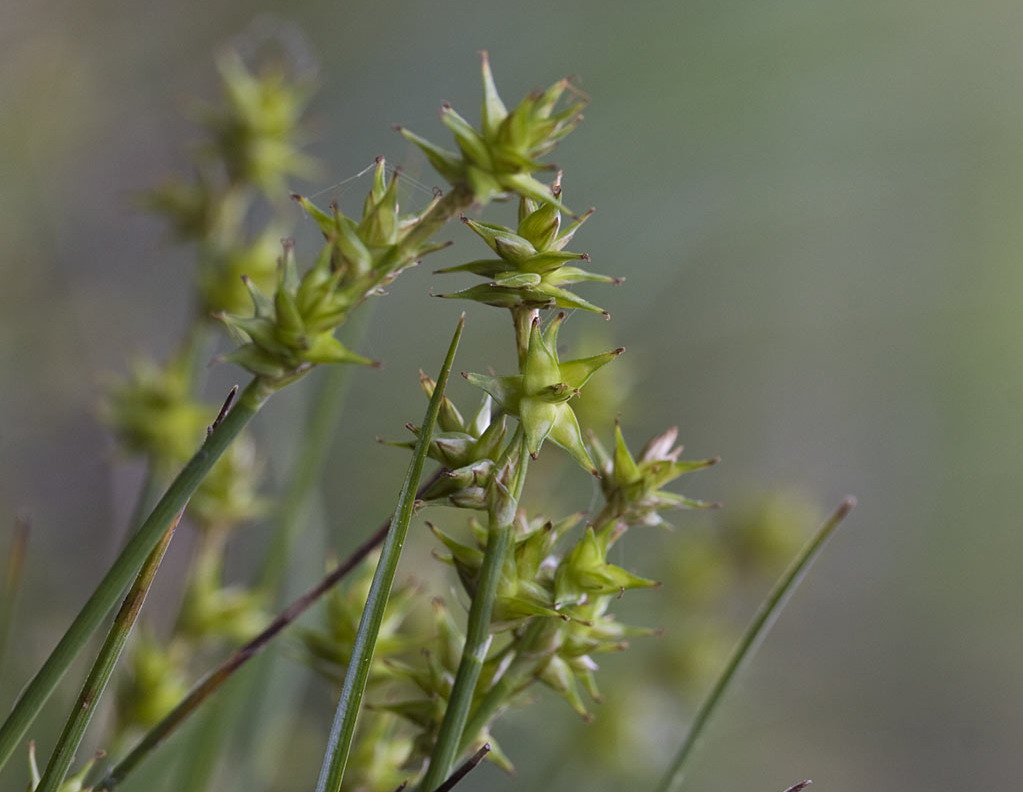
[477, 635]
[515, 675]
[757, 629]
[95, 683]
[14, 571]
[213, 681]
[126, 566]
[342, 730]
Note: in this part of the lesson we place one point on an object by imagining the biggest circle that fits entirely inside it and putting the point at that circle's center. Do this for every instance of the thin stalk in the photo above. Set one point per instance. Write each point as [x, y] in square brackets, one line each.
[127, 565]
[757, 629]
[13, 574]
[95, 683]
[477, 634]
[514, 676]
[216, 678]
[523, 318]
[342, 731]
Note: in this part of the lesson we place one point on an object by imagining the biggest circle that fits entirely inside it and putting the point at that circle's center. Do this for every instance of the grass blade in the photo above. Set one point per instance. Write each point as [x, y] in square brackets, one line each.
[342, 730]
[125, 568]
[757, 629]
[96, 682]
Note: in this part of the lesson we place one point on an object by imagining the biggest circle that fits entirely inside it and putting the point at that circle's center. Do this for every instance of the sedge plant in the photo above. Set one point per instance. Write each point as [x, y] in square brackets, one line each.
[420, 688]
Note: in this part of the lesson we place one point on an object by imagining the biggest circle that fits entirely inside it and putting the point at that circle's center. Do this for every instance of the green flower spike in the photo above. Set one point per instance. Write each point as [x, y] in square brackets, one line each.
[500, 156]
[526, 586]
[532, 269]
[153, 412]
[371, 252]
[220, 284]
[539, 395]
[466, 448]
[256, 135]
[293, 331]
[633, 488]
[585, 573]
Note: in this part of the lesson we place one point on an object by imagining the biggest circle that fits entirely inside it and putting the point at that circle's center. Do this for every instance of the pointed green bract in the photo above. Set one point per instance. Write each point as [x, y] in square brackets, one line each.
[357, 675]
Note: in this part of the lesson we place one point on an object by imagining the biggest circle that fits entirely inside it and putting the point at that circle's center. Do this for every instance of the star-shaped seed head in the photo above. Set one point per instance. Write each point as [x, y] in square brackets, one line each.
[532, 267]
[539, 396]
[501, 155]
[634, 487]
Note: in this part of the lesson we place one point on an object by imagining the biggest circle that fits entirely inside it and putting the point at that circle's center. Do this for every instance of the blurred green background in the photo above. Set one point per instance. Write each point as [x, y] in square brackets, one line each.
[816, 205]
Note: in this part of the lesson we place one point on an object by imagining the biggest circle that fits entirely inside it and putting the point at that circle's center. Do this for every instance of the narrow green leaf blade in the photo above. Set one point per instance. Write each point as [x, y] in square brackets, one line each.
[757, 629]
[123, 570]
[342, 730]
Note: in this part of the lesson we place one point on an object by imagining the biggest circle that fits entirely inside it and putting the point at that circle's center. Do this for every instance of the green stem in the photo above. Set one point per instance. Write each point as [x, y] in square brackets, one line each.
[477, 635]
[511, 681]
[95, 683]
[13, 574]
[342, 731]
[127, 565]
[765, 616]
[523, 318]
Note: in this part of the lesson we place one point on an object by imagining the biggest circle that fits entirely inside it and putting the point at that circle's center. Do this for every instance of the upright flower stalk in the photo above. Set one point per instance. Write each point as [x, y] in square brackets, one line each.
[539, 609]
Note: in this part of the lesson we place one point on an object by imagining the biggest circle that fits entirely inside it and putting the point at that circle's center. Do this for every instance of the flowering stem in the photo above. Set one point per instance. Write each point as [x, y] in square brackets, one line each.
[127, 565]
[95, 683]
[477, 636]
[342, 731]
[514, 676]
[757, 629]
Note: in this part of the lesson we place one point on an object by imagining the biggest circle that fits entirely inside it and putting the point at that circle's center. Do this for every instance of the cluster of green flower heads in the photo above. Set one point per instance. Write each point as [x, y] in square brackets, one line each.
[251, 150]
[500, 157]
[542, 588]
[541, 591]
[293, 330]
[532, 267]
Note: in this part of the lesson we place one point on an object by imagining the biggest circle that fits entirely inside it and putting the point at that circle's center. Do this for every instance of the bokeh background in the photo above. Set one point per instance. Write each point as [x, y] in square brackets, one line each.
[816, 205]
